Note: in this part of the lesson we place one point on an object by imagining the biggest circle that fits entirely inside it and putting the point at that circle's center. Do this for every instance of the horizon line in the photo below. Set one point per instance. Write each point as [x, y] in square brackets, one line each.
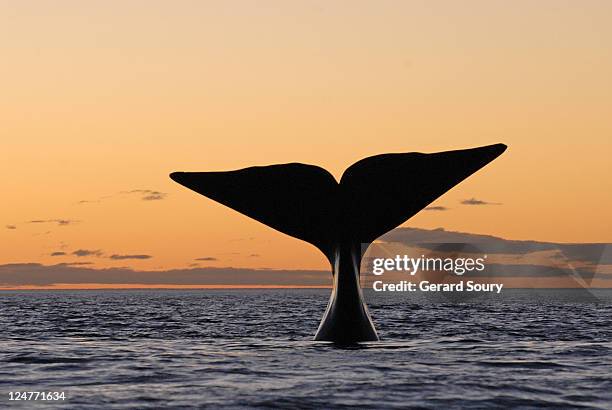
[141, 286]
[118, 286]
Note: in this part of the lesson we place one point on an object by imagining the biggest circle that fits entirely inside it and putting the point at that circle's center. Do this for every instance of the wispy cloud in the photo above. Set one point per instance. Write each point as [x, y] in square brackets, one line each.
[99, 253]
[474, 201]
[74, 264]
[11, 227]
[254, 255]
[251, 238]
[58, 222]
[123, 257]
[206, 258]
[142, 194]
[436, 208]
[147, 194]
[86, 252]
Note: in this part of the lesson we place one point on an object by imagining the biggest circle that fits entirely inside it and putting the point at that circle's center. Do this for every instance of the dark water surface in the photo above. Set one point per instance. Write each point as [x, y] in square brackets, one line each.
[242, 349]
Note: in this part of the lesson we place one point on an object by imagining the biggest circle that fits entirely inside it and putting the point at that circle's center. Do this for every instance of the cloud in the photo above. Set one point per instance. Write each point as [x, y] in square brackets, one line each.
[65, 221]
[254, 255]
[436, 208]
[561, 262]
[10, 227]
[251, 238]
[154, 197]
[95, 201]
[592, 253]
[206, 258]
[123, 257]
[147, 194]
[143, 194]
[17, 274]
[497, 270]
[59, 222]
[85, 252]
[474, 201]
[74, 264]
[58, 254]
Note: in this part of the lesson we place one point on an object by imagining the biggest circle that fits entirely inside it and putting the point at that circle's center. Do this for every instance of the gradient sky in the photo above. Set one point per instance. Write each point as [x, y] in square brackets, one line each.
[100, 100]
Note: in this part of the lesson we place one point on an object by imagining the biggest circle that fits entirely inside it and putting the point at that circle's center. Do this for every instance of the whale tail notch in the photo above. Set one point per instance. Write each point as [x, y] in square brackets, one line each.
[374, 195]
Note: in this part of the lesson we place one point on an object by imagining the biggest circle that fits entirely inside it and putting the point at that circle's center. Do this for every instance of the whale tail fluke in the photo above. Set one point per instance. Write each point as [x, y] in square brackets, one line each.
[374, 195]
[383, 191]
[292, 198]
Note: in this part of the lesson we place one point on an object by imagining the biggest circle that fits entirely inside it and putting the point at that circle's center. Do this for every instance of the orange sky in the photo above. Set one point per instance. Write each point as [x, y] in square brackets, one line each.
[102, 98]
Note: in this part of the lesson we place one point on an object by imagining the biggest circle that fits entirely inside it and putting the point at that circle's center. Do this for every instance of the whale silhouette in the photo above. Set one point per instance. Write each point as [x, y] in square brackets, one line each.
[374, 195]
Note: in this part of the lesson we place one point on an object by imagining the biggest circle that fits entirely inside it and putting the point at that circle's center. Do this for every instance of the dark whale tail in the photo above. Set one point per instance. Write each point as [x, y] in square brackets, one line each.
[373, 196]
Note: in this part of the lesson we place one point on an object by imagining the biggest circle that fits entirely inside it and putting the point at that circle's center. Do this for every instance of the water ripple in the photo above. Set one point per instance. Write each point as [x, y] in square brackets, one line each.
[239, 349]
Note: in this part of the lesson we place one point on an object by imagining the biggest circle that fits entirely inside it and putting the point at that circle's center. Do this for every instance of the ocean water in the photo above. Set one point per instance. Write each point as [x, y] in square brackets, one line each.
[254, 348]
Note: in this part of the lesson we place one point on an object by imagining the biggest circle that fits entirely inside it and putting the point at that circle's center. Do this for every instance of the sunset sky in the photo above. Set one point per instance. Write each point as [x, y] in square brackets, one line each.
[101, 100]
